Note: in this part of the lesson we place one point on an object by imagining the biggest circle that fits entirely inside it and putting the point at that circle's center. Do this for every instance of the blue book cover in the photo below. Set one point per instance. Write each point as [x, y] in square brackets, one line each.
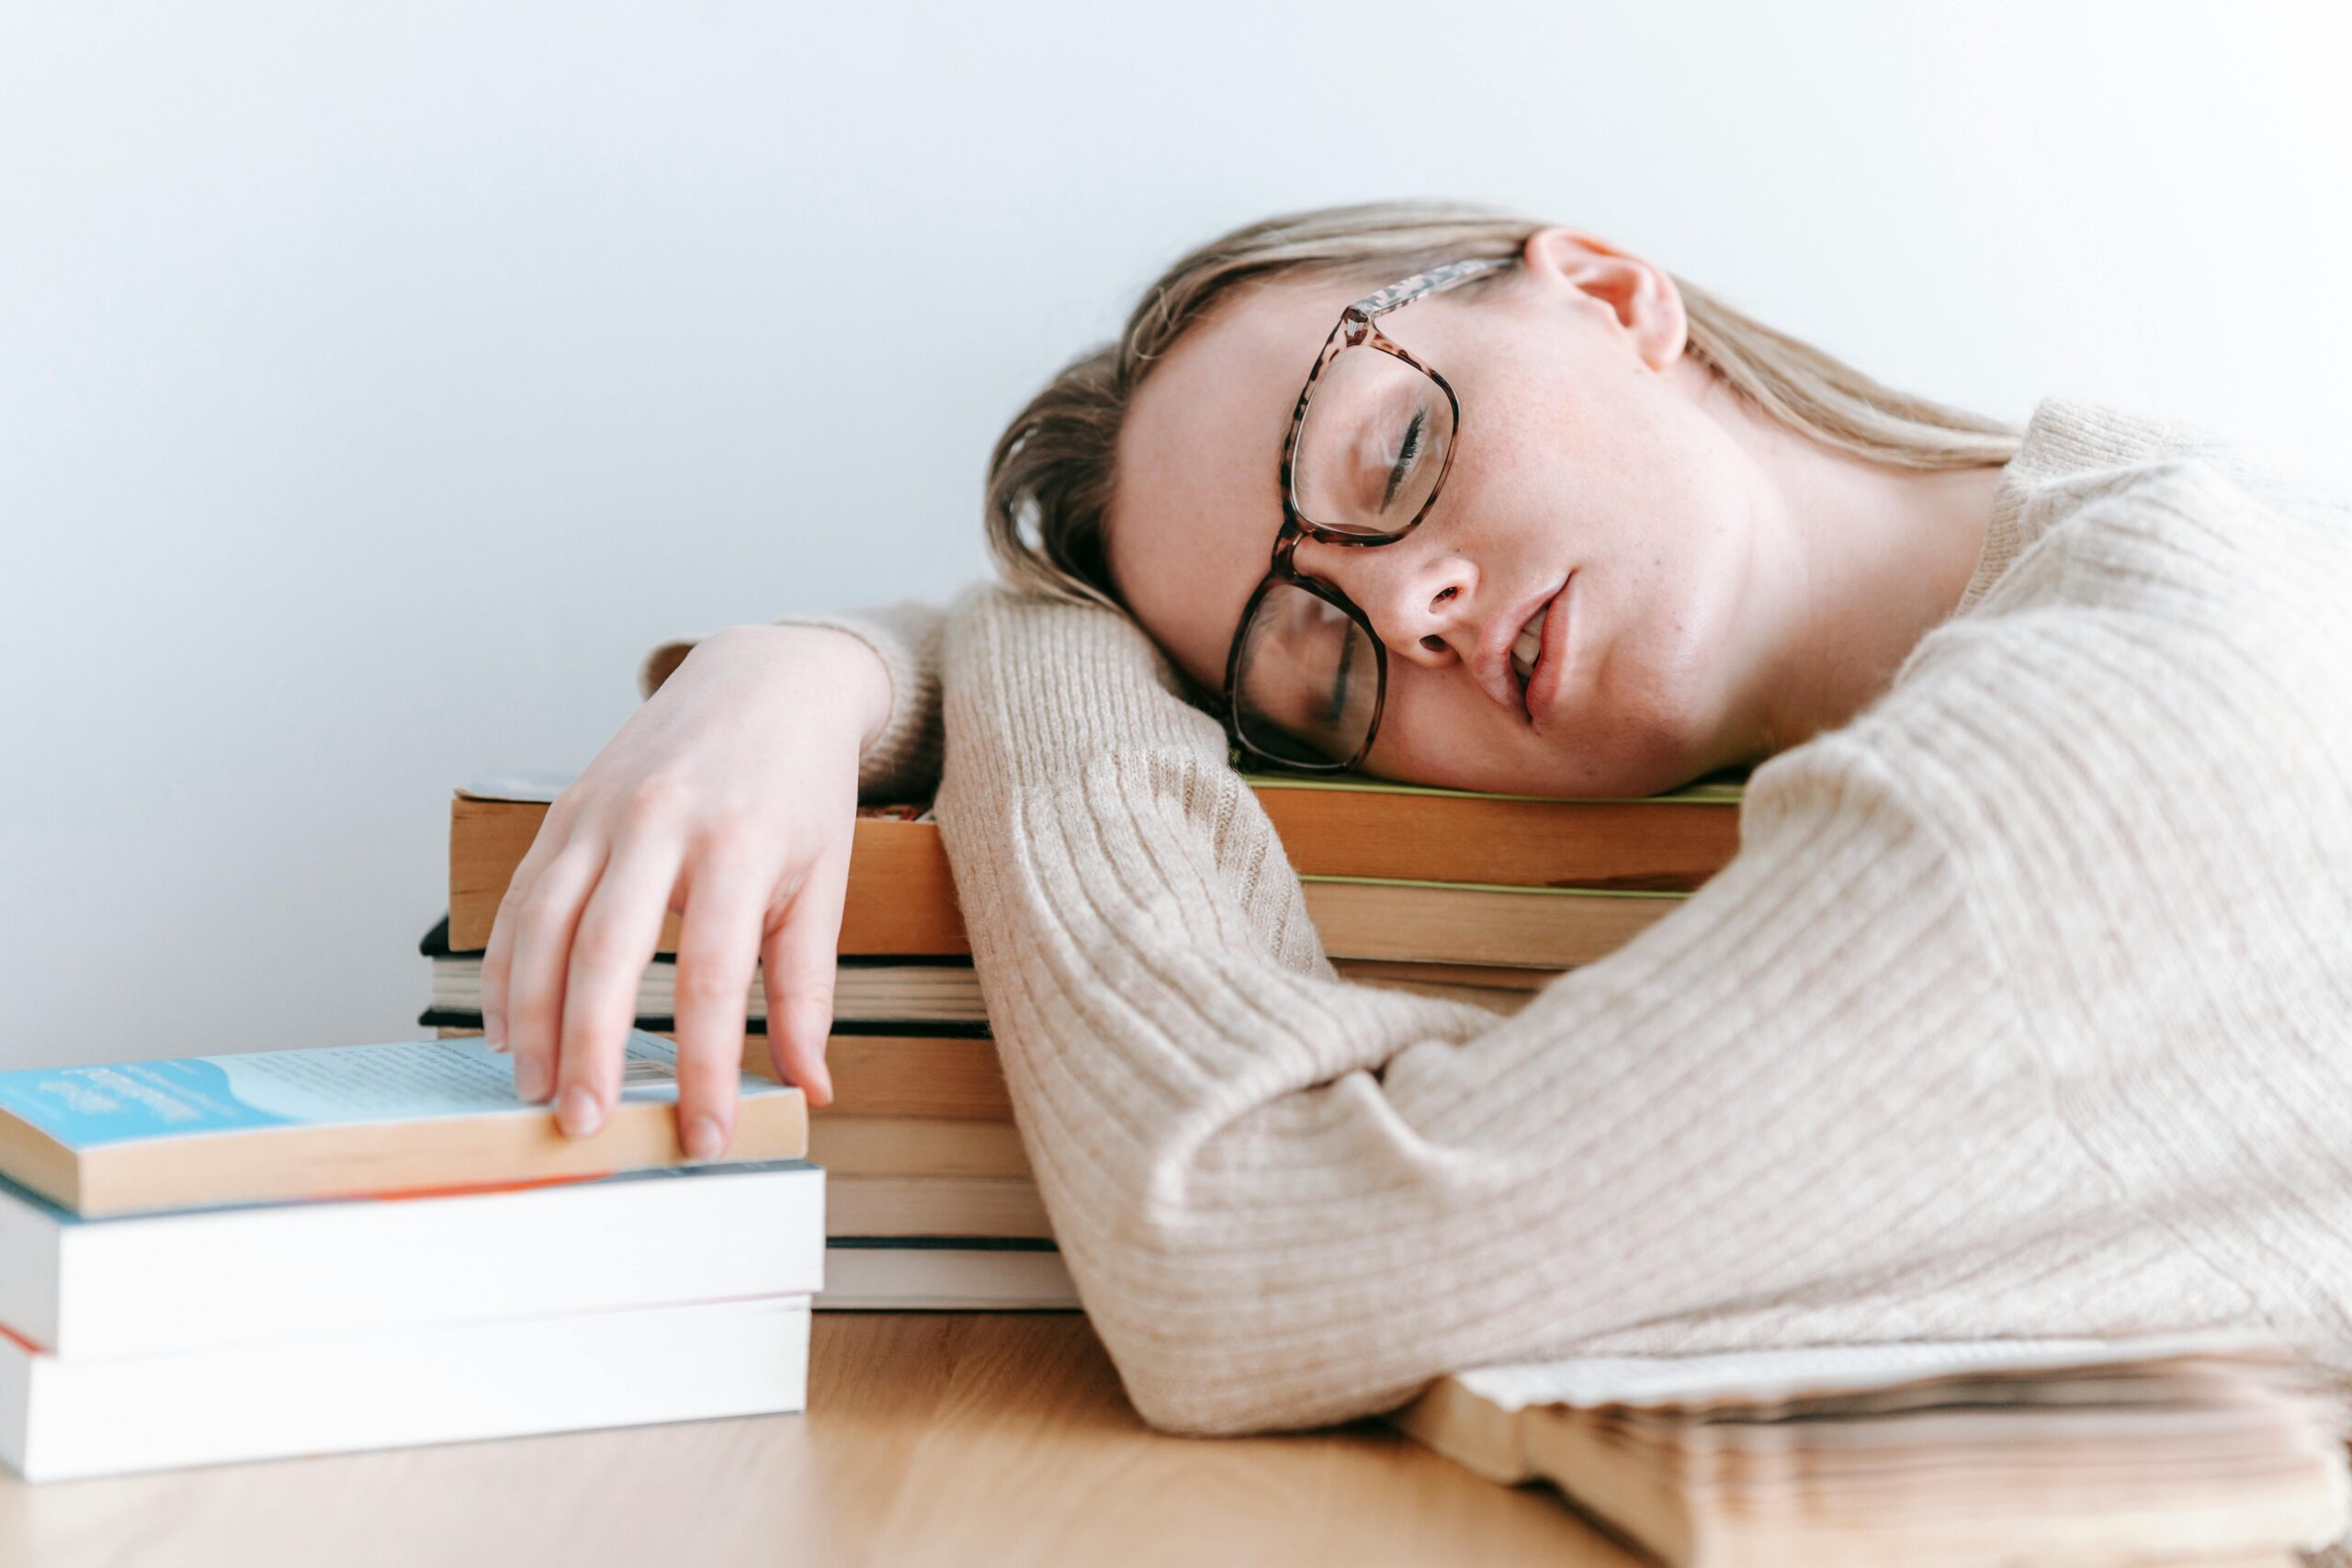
[411, 1115]
[88, 1107]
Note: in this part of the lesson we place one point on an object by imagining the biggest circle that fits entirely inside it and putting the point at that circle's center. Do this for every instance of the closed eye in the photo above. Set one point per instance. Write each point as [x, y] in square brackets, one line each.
[1410, 449]
[1340, 683]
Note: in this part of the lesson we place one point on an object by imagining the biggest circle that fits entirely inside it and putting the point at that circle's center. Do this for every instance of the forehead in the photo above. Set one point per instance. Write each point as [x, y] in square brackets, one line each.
[1197, 500]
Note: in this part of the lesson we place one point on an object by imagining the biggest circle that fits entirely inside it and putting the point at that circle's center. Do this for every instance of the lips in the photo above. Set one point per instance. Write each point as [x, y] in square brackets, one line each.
[1544, 683]
[1491, 665]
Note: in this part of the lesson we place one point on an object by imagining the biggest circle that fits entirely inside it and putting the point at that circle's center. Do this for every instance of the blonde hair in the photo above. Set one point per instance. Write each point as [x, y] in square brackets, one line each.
[1050, 475]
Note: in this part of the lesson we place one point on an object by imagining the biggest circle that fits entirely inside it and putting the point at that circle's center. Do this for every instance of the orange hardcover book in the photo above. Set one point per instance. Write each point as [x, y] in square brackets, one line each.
[1520, 881]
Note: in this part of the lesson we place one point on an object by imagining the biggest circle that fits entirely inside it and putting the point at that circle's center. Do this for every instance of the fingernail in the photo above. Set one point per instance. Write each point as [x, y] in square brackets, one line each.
[531, 1078]
[581, 1115]
[493, 1029]
[703, 1138]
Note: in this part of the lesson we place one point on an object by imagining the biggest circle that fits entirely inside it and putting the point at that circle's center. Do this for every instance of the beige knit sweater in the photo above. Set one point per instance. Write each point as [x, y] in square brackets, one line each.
[2024, 1008]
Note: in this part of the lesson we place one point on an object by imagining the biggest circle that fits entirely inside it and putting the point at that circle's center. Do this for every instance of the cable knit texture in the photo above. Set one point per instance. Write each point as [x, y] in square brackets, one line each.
[2024, 1008]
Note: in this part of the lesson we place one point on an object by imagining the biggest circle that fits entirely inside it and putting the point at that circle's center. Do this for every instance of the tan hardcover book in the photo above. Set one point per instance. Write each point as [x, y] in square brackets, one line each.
[1469, 977]
[915, 1145]
[901, 894]
[911, 1174]
[1357, 827]
[901, 898]
[942, 990]
[934, 1205]
[1549, 928]
[950, 1077]
[895, 1077]
[870, 994]
[2181, 1450]
[945, 1274]
[902, 902]
[343, 1120]
[899, 1077]
[1502, 989]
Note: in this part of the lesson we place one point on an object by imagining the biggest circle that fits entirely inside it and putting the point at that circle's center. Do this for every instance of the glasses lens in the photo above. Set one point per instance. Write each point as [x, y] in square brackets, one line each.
[1309, 682]
[1373, 443]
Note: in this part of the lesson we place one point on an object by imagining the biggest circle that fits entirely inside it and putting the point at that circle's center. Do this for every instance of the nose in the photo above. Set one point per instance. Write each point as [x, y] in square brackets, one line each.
[1417, 595]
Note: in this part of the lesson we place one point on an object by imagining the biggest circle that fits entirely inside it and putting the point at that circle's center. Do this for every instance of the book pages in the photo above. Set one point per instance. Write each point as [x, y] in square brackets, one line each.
[1759, 1376]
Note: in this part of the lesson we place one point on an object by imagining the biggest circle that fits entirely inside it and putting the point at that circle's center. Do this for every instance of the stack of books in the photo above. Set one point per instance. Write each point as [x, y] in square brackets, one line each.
[286, 1252]
[2175, 1450]
[931, 1202]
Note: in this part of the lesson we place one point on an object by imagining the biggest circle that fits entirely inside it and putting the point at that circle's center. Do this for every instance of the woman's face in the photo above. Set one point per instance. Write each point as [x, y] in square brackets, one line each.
[1586, 457]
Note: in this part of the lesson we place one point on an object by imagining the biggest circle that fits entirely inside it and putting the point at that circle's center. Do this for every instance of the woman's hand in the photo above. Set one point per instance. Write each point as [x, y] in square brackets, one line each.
[730, 796]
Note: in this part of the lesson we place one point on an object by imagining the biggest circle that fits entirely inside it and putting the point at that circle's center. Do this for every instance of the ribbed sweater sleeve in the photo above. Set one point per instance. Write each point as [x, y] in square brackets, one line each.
[903, 763]
[1289, 1200]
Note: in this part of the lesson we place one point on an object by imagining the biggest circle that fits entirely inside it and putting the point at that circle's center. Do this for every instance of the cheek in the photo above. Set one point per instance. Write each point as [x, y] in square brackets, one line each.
[1435, 729]
[1655, 661]
[1674, 589]
[1640, 727]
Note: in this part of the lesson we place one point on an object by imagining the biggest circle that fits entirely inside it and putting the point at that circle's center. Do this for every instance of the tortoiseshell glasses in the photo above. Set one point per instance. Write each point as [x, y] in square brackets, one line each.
[1369, 446]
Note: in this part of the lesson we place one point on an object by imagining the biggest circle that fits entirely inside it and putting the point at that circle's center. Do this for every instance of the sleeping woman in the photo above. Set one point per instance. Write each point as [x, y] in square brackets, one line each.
[2024, 1008]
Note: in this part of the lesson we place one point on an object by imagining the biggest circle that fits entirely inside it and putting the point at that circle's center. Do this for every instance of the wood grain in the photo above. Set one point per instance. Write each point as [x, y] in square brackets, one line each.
[930, 1439]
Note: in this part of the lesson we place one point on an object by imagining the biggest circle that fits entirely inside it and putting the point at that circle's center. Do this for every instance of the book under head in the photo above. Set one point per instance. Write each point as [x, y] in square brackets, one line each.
[901, 899]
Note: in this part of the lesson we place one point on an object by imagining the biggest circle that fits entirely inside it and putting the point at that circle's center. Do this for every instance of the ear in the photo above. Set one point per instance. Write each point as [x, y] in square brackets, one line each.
[1638, 292]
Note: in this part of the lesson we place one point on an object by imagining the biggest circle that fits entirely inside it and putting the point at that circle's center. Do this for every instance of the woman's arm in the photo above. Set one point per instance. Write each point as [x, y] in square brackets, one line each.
[1287, 1199]
[901, 762]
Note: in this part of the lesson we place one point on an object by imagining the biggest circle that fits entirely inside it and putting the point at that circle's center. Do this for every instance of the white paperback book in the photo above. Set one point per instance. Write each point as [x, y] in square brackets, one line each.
[63, 1417]
[157, 1283]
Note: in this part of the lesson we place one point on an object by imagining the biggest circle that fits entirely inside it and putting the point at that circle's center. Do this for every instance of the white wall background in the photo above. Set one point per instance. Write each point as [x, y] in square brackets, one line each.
[377, 381]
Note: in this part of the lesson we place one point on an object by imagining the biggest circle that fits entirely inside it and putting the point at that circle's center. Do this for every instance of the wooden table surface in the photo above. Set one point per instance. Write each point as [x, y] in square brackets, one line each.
[993, 1439]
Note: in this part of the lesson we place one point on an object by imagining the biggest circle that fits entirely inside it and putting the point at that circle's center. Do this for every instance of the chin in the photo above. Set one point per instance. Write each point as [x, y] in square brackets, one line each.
[1659, 756]
[1638, 759]
[1659, 746]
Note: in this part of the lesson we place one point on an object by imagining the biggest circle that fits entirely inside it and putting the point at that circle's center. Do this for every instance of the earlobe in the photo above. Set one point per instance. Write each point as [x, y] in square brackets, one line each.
[1640, 294]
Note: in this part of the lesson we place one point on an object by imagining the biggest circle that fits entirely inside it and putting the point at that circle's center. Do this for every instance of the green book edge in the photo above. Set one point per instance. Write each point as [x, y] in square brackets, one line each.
[1501, 887]
[1724, 788]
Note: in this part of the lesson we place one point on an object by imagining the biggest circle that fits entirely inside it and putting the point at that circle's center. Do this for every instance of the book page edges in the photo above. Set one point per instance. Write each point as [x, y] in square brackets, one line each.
[1697, 1515]
[1759, 1376]
[33, 1159]
[1515, 1443]
[1475, 1433]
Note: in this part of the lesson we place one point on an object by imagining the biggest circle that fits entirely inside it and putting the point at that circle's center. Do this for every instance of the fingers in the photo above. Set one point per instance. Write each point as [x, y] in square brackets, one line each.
[618, 933]
[544, 919]
[718, 942]
[498, 955]
[797, 964]
[494, 961]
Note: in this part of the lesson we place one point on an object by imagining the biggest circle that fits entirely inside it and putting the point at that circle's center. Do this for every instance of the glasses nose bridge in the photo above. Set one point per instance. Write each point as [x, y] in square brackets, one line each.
[1376, 586]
